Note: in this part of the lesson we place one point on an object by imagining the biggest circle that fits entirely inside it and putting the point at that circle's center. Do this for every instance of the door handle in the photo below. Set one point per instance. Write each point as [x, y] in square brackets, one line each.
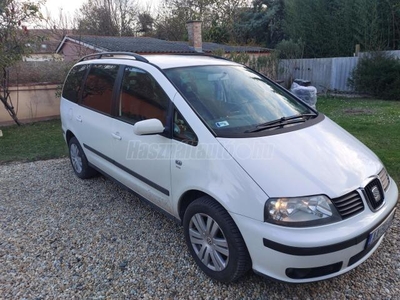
[116, 136]
[79, 119]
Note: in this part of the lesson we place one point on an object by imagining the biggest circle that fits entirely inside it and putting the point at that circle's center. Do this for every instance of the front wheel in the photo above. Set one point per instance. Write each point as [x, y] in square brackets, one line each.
[214, 240]
[79, 161]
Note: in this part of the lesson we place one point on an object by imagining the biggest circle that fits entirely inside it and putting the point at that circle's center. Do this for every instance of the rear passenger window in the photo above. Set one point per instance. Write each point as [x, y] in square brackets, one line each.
[74, 82]
[98, 89]
[141, 97]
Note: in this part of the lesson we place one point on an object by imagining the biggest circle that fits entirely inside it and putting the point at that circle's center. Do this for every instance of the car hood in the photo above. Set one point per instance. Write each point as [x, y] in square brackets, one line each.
[320, 159]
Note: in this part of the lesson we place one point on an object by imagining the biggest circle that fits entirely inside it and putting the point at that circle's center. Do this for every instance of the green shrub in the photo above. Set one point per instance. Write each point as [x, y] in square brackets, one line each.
[289, 49]
[378, 75]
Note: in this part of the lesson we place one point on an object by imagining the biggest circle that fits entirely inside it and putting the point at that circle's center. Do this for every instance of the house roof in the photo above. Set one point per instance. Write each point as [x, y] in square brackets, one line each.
[129, 44]
[210, 47]
[149, 45]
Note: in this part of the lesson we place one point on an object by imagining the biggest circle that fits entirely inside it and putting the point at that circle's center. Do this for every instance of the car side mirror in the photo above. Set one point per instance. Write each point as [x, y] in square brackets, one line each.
[150, 126]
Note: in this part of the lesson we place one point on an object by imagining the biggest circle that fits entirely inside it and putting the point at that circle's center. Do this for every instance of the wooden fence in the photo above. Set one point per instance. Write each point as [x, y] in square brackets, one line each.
[326, 74]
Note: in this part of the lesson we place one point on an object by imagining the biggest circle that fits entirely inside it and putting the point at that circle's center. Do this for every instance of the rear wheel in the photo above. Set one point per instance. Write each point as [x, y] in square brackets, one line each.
[79, 161]
[214, 240]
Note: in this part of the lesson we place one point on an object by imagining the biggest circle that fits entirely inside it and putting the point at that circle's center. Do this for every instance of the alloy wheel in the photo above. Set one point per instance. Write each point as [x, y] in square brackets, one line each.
[76, 158]
[209, 242]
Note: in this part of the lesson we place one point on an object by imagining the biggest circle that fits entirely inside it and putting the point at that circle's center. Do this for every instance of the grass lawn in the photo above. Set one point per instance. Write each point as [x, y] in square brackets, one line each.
[376, 123]
[37, 141]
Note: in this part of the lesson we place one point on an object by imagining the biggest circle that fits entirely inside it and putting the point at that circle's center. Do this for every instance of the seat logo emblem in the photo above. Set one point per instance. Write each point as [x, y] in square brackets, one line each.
[376, 193]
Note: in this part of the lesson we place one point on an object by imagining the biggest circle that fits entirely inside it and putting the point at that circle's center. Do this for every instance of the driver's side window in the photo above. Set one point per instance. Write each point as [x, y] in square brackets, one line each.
[141, 97]
[182, 131]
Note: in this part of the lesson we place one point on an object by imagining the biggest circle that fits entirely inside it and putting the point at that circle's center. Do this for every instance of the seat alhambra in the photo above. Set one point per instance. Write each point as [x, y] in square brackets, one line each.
[258, 179]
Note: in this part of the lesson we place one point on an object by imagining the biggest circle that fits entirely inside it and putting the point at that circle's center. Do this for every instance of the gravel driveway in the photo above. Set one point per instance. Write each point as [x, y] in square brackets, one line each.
[64, 238]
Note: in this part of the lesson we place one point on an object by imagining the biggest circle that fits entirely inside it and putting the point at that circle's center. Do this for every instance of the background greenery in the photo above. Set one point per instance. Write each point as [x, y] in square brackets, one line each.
[377, 74]
[321, 28]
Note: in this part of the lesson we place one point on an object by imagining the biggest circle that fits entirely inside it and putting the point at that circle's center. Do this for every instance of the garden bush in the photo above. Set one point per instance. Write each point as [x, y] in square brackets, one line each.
[377, 74]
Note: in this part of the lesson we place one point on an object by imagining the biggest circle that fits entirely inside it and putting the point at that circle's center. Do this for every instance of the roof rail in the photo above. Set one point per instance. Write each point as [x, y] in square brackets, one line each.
[112, 54]
[202, 54]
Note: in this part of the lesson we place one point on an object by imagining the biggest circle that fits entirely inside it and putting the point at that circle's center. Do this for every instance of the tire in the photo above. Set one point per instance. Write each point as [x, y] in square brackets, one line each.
[215, 241]
[79, 161]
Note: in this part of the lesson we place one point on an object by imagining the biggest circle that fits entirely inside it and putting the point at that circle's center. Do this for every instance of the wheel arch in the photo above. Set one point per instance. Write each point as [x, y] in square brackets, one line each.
[191, 195]
[69, 135]
[185, 200]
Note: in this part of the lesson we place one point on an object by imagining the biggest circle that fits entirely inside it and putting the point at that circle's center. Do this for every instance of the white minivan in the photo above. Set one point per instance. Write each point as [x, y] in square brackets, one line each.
[258, 179]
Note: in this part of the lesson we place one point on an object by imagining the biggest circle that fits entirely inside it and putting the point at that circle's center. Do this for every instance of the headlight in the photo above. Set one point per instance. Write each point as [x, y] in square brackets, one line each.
[301, 211]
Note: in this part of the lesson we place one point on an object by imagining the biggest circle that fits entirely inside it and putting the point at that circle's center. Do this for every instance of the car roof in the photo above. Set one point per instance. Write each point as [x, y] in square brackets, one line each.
[176, 61]
[161, 61]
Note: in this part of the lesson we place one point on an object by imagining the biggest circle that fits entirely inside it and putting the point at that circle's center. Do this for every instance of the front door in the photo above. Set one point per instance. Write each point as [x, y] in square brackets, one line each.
[143, 160]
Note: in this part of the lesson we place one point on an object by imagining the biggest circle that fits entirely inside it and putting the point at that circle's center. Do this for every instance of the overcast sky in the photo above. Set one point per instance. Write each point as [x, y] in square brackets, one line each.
[69, 6]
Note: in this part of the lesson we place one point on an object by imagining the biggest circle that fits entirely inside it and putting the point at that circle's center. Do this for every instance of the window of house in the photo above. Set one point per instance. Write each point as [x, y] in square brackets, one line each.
[98, 89]
[73, 84]
[141, 97]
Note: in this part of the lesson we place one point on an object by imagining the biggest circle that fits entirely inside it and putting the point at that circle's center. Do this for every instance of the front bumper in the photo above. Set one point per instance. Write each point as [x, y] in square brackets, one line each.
[310, 254]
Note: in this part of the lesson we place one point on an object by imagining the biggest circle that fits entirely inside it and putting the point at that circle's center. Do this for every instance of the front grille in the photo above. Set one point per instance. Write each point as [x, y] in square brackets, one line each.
[374, 194]
[384, 178]
[349, 204]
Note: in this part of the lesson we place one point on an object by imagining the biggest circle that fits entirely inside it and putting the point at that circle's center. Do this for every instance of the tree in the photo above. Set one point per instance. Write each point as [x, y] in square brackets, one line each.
[218, 18]
[263, 23]
[310, 21]
[334, 27]
[14, 41]
[218, 33]
[224, 17]
[107, 17]
[146, 22]
[171, 24]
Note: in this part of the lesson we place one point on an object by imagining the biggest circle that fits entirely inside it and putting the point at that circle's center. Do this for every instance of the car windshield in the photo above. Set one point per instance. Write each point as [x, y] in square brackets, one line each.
[235, 100]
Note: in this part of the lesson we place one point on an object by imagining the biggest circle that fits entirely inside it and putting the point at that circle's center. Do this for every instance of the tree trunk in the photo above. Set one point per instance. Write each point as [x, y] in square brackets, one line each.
[6, 99]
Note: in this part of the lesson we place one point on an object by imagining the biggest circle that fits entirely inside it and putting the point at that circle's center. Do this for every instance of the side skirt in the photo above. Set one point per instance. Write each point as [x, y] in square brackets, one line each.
[143, 199]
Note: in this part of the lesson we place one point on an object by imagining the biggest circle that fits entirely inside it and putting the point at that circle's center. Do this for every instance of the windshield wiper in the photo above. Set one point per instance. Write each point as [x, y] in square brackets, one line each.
[282, 122]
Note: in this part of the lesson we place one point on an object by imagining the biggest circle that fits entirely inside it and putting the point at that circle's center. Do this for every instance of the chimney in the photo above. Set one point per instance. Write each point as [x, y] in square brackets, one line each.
[194, 33]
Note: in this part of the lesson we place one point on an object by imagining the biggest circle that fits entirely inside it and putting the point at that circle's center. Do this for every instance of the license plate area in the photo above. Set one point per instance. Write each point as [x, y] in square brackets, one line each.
[380, 230]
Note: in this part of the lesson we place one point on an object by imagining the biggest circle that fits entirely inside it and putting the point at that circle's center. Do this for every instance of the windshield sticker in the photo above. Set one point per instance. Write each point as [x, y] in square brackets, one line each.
[222, 124]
